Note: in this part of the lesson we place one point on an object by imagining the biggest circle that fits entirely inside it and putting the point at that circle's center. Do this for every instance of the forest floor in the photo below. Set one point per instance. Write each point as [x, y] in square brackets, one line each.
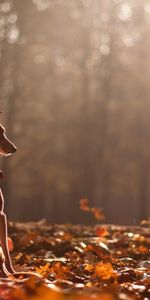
[78, 262]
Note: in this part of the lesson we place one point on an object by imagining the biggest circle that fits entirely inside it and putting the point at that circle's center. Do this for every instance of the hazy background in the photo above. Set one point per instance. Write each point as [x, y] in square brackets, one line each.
[75, 97]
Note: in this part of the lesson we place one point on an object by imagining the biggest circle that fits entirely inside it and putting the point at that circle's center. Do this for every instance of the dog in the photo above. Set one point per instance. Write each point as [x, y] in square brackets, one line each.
[6, 148]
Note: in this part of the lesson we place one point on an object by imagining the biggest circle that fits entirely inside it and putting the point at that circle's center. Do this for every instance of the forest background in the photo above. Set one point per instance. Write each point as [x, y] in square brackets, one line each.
[75, 99]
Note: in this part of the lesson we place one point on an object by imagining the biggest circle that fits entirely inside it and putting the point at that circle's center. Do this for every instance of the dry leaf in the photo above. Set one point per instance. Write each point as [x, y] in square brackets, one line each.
[102, 232]
[84, 204]
[97, 212]
[43, 270]
[104, 270]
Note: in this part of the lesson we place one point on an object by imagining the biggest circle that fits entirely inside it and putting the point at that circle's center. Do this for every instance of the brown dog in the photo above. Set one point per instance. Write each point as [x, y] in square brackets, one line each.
[6, 148]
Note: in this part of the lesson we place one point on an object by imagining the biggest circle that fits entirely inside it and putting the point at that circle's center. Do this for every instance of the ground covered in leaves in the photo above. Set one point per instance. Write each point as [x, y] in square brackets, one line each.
[77, 262]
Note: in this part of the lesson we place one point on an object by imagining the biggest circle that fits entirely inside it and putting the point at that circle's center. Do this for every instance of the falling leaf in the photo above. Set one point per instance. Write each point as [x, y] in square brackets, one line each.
[84, 204]
[96, 212]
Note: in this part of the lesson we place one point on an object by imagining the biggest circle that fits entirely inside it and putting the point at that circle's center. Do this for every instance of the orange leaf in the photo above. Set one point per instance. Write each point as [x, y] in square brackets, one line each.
[84, 204]
[43, 270]
[89, 268]
[10, 244]
[102, 232]
[104, 270]
[98, 213]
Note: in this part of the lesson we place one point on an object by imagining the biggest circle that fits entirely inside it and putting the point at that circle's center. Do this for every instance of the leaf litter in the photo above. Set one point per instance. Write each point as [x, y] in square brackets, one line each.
[78, 262]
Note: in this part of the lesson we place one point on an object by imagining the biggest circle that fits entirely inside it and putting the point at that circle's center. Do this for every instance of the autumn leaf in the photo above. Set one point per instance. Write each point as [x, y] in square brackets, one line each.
[28, 238]
[60, 270]
[84, 204]
[142, 249]
[10, 244]
[89, 268]
[43, 270]
[96, 212]
[104, 270]
[82, 262]
[102, 232]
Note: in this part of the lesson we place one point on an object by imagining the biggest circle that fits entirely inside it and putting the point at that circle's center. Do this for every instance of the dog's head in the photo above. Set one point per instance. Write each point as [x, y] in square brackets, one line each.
[6, 146]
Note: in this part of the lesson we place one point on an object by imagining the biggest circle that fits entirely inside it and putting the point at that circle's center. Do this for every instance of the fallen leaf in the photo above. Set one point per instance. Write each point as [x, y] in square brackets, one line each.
[104, 270]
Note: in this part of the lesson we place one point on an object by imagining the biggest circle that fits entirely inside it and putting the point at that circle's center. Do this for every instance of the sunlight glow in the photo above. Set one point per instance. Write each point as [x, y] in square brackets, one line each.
[128, 41]
[105, 50]
[125, 12]
[13, 35]
[147, 7]
[12, 18]
[41, 4]
[5, 7]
